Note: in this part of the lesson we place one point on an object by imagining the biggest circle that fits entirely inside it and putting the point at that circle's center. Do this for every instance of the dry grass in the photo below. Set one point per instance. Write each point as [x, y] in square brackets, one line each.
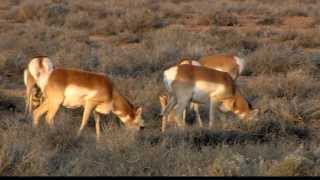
[133, 42]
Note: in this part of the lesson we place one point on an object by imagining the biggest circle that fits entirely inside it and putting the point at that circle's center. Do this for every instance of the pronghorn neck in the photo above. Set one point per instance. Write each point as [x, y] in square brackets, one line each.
[238, 105]
[122, 107]
[241, 106]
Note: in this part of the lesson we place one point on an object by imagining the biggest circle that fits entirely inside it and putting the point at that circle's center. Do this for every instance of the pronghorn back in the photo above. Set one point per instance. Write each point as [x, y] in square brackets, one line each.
[71, 80]
[231, 64]
[76, 77]
[197, 73]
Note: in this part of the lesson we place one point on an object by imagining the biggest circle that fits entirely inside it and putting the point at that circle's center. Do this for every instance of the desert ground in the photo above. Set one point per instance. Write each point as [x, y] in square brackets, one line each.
[133, 42]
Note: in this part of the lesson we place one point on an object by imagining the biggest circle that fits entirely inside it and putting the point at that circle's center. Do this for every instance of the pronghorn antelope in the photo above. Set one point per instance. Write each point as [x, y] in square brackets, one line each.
[95, 92]
[187, 83]
[36, 73]
[231, 64]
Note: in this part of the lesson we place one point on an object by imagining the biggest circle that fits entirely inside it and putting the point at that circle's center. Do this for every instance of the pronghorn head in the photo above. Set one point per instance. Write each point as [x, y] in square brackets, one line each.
[249, 114]
[137, 121]
[241, 107]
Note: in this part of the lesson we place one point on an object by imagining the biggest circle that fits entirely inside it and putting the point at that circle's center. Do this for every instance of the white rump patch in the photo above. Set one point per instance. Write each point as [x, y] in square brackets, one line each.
[46, 63]
[41, 75]
[169, 76]
[42, 81]
[203, 90]
[240, 62]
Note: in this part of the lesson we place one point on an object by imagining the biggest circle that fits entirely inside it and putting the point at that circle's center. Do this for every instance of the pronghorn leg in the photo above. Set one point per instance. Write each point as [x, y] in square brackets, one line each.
[97, 119]
[37, 113]
[172, 102]
[184, 115]
[196, 109]
[184, 95]
[163, 123]
[85, 117]
[212, 112]
[29, 100]
[53, 109]
[28, 106]
[181, 110]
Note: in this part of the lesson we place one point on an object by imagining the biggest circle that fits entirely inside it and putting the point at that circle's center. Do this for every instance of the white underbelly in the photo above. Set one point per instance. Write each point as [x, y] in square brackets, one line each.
[75, 96]
[202, 91]
[73, 102]
[200, 95]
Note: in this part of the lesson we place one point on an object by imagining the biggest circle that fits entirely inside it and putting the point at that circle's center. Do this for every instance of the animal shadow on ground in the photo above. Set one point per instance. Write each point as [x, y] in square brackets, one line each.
[197, 138]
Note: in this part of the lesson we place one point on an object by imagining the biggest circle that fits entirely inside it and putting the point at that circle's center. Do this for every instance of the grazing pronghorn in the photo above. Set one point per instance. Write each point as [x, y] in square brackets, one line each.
[164, 99]
[231, 64]
[187, 83]
[38, 69]
[95, 92]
